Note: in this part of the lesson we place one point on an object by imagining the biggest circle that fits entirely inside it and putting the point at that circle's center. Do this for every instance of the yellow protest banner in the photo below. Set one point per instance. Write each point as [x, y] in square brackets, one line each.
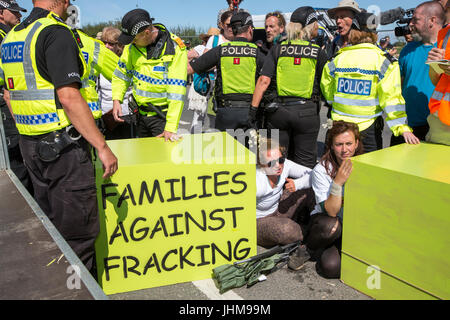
[174, 211]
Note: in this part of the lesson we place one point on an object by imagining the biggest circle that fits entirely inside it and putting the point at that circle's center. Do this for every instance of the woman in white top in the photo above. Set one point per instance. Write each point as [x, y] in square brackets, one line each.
[323, 240]
[283, 188]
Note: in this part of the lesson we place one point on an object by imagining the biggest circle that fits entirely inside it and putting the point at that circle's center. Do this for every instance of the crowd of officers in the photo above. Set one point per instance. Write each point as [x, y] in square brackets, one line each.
[49, 72]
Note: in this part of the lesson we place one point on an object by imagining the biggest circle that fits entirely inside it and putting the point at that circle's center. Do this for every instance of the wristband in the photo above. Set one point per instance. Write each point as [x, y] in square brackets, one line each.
[336, 190]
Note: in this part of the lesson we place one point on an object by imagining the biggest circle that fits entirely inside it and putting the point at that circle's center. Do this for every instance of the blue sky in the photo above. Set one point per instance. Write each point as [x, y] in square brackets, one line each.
[200, 13]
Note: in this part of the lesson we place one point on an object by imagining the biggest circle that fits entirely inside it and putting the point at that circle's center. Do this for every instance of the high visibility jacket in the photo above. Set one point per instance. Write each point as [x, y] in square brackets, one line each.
[99, 59]
[158, 80]
[440, 100]
[238, 68]
[32, 97]
[361, 83]
[296, 68]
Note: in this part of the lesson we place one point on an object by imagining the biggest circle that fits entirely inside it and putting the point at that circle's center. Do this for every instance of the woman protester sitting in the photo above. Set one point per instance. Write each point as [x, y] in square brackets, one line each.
[323, 238]
[283, 190]
[362, 82]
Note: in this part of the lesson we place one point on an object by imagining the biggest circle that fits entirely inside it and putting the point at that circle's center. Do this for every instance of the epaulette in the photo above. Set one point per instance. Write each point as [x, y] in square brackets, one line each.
[391, 58]
[178, 41]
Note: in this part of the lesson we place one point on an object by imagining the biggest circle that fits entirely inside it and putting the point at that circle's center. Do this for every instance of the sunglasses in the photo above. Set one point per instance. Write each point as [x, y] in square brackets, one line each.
[272, 163]
[110, 43]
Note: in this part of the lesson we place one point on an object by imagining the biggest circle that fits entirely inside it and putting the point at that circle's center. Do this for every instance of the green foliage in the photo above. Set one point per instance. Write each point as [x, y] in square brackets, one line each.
[93, 29]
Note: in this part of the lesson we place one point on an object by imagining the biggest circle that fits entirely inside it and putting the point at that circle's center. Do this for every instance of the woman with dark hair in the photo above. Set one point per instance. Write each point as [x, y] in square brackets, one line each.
[362, 82]
[323, 239]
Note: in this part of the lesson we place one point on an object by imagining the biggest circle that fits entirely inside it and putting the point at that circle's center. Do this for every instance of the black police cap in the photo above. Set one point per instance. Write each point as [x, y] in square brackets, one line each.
[241, 19]
[132, 23]
[304, 15]
[11, 5]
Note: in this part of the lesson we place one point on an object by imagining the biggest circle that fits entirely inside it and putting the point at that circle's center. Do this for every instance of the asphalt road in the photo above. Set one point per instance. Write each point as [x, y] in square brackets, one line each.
[283, 284]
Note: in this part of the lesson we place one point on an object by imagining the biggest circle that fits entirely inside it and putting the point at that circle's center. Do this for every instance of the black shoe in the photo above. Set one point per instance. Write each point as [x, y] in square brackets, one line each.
[299, 258]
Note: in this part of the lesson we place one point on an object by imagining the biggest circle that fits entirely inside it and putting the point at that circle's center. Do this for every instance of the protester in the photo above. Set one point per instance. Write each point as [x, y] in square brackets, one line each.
[233, 6]
[154, 62]
[283, 189]
[47, 101]
[113, 130]
[343, 14]
[361, 83]
[297, 65]
[323, 236]
[237, 71]
[439, 118]
[417, 87]
[196, 102]
[226, 32]
[275, 27]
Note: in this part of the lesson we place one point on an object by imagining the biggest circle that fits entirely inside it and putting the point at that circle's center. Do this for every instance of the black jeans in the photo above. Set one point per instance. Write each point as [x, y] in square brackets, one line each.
[299, 128]
[65, 190]
[150, 126]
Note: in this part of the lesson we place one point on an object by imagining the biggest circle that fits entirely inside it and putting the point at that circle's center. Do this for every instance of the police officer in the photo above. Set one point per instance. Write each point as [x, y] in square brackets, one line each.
[10, 16]
[296, 65]
[362, 82]
[238, 63]
[154, 62]
[99, 60]
[42, 68]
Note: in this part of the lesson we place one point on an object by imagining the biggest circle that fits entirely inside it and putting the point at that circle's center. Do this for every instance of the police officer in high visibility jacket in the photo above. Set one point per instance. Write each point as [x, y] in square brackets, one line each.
[99, 60]
[362, 82]
[154, 62]
[42, 68]
[9, 17]
[296, 65]
[238, 64]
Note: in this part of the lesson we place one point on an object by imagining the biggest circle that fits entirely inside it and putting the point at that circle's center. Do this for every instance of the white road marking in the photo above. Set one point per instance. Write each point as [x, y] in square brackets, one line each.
[209, 288]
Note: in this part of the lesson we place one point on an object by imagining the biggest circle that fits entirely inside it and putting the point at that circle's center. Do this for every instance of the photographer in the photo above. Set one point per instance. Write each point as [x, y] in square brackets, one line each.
[417, 87]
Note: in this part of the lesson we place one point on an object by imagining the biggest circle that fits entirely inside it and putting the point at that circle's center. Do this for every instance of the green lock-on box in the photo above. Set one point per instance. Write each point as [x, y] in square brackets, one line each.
[396, 224]
[174, 211]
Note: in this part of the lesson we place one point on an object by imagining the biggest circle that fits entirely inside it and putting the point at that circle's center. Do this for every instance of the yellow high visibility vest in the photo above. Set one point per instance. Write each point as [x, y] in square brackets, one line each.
[361, 83]
[160, 81]
[99, 59]
[32, 97]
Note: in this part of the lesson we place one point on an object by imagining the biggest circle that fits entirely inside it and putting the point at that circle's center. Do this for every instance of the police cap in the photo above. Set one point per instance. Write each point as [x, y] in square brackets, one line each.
[241, 19]
[132, 23]
[11, 5]
[304, 15]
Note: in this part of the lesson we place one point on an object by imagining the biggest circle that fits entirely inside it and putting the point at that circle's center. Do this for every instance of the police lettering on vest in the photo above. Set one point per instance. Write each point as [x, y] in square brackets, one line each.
[228, 51]
[299, 51]
[12, 52]
[354, 86]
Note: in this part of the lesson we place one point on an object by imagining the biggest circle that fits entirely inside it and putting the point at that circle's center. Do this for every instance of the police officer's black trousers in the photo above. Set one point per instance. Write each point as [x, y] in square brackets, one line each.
[151, 126]
[65, 190]
[299, 127]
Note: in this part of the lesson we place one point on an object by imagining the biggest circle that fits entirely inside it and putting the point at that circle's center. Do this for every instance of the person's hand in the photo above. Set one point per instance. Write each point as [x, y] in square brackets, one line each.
[289, 185]
[436, 54]
[109, 161]
[410, 138]
[445, 68]
[344, 172]
[117, 111]
[168, 136]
